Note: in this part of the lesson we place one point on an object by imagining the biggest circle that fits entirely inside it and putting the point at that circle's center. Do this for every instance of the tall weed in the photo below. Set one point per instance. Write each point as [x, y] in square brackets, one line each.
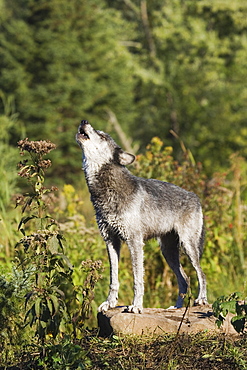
[46, 304]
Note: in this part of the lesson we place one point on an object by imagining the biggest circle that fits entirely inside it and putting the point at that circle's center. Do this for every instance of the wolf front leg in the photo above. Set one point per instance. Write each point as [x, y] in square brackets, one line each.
[113, 248]
[136, 251]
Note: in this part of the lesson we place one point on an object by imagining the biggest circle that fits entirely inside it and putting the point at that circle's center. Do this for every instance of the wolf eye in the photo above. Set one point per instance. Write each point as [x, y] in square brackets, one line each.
[102, 136]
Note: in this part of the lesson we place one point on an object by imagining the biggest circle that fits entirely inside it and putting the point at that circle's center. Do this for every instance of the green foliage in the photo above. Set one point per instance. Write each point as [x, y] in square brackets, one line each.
[8, 123]
[192, 57]
[8, 176]
[53, 293]
[231, 304]
[10, 323]
[64, 355]
[16, 339]
[84, 242]
[66, 63]
[44, 303]
[155, 65]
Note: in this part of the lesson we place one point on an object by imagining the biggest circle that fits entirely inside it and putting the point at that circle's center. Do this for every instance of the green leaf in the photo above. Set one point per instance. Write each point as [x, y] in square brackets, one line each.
[59, 291]
[53, 244]
[43, 324]
[27, 296]
[27, 203]
[50, 306]
[69, 264]
[65, 259]
[229, 306]
[25, 219]
[55, 303]
[37, 307]
[27, 314]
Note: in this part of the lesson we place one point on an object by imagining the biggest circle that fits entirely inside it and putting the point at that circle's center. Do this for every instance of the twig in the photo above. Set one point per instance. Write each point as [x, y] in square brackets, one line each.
[182, 320]
[125, 141]
[180, 325]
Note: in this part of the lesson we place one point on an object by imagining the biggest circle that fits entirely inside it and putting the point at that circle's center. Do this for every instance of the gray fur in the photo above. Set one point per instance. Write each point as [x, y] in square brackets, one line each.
[134, 209]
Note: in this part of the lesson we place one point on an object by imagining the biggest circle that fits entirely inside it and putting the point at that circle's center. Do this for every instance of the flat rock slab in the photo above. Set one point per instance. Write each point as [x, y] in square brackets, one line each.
[159, 321]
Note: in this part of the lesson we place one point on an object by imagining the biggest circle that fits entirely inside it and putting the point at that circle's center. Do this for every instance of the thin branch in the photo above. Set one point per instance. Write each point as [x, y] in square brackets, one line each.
[125, 141]
[145, 22]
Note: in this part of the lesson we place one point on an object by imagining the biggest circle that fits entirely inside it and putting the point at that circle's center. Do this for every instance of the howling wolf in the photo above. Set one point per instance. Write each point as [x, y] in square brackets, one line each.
[134, 209]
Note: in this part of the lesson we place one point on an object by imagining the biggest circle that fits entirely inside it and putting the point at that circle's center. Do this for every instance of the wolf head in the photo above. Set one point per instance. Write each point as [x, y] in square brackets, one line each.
[99, 148]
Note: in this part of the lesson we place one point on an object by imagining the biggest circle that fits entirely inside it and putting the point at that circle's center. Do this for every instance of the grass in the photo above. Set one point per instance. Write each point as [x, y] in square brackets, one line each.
[185, 351]
[201, 351]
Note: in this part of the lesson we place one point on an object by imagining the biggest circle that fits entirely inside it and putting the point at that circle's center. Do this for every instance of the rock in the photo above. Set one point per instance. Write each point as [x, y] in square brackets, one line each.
[159, 321]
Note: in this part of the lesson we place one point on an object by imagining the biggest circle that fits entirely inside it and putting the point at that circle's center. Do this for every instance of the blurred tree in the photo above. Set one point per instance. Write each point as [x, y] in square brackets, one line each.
[153, 66]
[192, 72]
[63, 62]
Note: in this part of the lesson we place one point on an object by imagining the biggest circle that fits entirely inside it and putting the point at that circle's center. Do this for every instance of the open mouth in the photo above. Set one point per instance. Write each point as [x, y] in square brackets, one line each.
[82, 133]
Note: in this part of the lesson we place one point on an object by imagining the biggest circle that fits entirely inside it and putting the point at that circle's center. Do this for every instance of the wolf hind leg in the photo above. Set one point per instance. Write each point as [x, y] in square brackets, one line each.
[194, 252]
[170, 249]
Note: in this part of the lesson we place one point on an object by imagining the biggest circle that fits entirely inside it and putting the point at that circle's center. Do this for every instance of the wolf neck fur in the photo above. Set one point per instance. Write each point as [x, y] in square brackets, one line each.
[111, 185]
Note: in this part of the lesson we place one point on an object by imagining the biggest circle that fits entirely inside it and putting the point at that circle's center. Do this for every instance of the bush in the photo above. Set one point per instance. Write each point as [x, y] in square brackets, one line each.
[44, 304]
[231, 304]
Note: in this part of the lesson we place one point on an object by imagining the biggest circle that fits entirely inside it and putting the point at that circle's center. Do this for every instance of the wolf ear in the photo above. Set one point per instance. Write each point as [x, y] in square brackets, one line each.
[125, 158]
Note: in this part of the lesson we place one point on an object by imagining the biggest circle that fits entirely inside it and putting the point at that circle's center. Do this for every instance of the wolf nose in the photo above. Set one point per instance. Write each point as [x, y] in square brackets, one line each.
[84, 122]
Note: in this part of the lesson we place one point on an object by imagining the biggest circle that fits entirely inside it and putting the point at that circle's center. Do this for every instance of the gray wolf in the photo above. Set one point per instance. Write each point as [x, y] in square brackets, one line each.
[134, 209]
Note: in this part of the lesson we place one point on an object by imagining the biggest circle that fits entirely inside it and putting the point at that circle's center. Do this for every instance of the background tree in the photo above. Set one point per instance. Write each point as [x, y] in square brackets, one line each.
[194, 57]
[64, 62]
[152, 66]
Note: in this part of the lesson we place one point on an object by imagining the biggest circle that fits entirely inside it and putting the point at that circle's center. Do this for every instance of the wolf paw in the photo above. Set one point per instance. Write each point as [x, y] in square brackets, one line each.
[135, 309]
[173, 308]
[201, 302]
[105, 306]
